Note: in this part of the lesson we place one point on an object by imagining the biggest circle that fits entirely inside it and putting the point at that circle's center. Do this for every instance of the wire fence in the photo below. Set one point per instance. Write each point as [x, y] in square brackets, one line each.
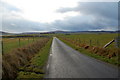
[95, 42]
[9, 43]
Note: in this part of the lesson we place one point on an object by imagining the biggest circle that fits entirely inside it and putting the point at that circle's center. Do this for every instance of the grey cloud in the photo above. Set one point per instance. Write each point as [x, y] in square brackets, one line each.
[89, 23]
[64, 10]
[9, 7]
[95, 16]
[105, 9]
[12, 22]
[22, 26]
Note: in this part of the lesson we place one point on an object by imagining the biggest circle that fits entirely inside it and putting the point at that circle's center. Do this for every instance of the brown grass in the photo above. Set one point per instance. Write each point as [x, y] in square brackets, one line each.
[106, 52]
[19, 57]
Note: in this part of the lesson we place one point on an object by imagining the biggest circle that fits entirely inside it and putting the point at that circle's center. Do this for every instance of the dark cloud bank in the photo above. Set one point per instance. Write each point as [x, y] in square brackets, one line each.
[94, 16]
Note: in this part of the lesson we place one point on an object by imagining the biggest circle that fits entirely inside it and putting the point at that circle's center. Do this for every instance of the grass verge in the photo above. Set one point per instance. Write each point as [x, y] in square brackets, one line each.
[113, 60]
[19, 57]
[35, 68]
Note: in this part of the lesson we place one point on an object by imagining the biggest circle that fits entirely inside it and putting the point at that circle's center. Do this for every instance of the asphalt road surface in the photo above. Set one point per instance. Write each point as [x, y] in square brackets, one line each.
[65, 62]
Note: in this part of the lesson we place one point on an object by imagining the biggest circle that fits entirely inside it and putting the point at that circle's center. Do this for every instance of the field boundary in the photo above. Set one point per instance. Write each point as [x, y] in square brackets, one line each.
[36, 68]
[20, 57]
[91, 54]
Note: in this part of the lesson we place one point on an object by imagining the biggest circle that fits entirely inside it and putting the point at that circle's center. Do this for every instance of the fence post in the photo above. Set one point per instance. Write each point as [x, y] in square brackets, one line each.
[79, 40]
[28, 39]
[19, 42]
[97, 43]
[33, 38]
[90, 42]
[109, 43]
[2, 47]
[117, 43]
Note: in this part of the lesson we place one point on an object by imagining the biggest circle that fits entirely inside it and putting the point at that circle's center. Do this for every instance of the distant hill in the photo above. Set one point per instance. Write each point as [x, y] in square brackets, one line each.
[4, 33]
[84, 32]
[95, 31]
[7, 33]
[29, 33]
[57, 32]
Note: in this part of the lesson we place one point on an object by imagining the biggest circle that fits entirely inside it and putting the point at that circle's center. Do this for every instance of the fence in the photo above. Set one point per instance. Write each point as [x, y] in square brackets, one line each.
[96, 42]
[9, 43]
[117, 42]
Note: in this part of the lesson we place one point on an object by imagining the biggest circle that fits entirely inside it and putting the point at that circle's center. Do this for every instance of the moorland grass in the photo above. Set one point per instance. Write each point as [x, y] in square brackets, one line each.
[35, 68]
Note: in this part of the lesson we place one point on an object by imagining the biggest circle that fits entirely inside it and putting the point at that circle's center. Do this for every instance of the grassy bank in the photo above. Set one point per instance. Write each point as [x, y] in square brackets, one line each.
[19, 57]
[88, 52]
[35, 68]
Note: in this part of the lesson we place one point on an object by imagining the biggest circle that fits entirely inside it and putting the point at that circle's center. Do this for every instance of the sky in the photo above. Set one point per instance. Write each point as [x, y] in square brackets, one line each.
[50, 15]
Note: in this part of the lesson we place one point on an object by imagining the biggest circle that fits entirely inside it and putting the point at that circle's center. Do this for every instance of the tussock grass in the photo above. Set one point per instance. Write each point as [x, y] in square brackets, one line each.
[36, 66]
[30, 75]
[20, 57]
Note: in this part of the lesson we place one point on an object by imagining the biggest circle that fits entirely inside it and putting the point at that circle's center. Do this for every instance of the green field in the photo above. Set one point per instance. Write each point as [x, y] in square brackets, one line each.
[92, 45]
[93, 39]
[13, 43]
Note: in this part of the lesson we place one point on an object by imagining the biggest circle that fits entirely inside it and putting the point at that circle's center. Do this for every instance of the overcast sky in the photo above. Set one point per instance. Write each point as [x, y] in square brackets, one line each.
[51, 15]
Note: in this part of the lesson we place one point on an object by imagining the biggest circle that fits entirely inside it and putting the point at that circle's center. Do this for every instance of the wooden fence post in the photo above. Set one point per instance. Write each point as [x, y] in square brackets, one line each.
[79, 40]
[33, 38]
[2, 47]
[117, 42]
[109, 43]
[28, 39]
[90, 42]
[97, 43]
[19, 42]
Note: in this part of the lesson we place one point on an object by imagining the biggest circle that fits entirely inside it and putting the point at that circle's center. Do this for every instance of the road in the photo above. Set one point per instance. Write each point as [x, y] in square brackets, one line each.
[65, 62]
